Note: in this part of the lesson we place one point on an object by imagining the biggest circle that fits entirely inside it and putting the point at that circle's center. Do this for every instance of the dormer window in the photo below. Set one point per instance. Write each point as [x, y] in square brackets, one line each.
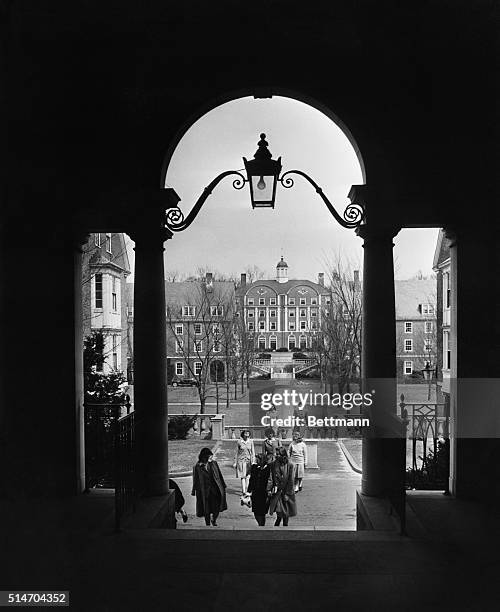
[188, 311]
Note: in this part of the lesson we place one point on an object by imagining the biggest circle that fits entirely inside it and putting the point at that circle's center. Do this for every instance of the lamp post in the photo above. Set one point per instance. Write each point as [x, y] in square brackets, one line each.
[428, 373]
[263, 176]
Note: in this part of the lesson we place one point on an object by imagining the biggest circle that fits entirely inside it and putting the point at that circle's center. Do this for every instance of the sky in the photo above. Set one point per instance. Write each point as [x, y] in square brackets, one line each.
[228, 235]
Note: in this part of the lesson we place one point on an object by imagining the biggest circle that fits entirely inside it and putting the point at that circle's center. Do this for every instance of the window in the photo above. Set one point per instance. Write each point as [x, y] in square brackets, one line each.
[262, 313]
[291, 342]
[291, 326]
[250, 301]
[291, 301]
[250, 326]
[302, 312]
[408, 367]
[314, 301]
[408, 327]
[188, 311]
[328, 301]
[198, 346]
[216, 328]
[262, 342]
[179, 329]
[408, 346]
[179, 368]
[302, 301]
[108, 243]
[262, 301]
[272, 301]
[273, 313]
[98, 290]
[314, 325]
[428, 327]
[97, 240]
[216, 311]
[114, 340]
[273, 343]
[427, 346]
[292, 313]
[262, 325]
[113, 294]
[272, 326]
[303, 342]
[216, 346]
[446, 350]
[198, 367]
[250, 314]
[197, 328]
[179, 345]
[427, 309]
[303, 325]
[314, 313]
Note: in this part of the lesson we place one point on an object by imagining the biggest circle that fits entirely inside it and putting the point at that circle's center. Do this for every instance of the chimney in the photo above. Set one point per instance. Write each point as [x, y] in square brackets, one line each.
[209, 281]
[243, 280]
[356, 279]
[321, 279]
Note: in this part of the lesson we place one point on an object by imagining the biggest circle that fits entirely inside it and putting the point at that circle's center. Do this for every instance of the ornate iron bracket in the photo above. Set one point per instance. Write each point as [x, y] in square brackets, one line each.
[354, 214]
[174, 217]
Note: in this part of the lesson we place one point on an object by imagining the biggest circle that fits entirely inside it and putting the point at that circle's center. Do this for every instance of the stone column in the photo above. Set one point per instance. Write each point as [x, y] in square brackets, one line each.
[474, 382]
[150, 349]
[383, 446]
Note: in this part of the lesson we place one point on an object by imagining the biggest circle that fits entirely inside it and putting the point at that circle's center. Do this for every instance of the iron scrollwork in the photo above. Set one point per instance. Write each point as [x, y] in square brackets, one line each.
[174, 217]
[354, 213]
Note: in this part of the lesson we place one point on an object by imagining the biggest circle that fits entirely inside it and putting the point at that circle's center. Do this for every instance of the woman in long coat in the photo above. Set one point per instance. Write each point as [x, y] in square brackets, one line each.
[260, 487]
[283, 494]
[209, 488]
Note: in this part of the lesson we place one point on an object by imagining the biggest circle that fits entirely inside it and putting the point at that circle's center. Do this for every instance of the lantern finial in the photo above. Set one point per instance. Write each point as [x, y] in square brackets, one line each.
[262, 152]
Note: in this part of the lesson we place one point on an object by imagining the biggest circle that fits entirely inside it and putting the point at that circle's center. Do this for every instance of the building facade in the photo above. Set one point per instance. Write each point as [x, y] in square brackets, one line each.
[442, 268]
[200, 339]
[282, 313]
[416, 327]
[105, 267]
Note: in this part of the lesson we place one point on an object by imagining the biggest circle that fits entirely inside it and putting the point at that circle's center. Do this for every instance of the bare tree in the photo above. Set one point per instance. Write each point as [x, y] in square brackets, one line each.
[338, 341]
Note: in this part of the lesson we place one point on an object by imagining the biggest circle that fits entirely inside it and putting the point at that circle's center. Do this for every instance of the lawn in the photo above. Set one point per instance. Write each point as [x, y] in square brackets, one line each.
[183, 454]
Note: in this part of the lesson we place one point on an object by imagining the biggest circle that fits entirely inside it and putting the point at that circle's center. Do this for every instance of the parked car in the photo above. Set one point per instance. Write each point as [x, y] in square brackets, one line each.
[184, 382]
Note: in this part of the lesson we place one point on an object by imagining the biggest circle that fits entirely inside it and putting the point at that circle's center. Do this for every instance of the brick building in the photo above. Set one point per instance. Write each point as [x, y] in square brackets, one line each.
[416, 328]
[200, 339]
[283, 313]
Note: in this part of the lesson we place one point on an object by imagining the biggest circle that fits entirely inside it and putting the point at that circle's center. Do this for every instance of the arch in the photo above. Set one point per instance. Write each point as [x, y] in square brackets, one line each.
[217, 371]
[254, 92]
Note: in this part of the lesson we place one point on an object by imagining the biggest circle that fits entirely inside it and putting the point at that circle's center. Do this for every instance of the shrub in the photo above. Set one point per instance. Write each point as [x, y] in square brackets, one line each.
[300, 356]
[283, 349]
[180, 425]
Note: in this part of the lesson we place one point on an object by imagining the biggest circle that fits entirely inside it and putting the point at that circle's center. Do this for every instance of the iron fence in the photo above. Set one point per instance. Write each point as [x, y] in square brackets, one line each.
[126, 489]
[427, 433]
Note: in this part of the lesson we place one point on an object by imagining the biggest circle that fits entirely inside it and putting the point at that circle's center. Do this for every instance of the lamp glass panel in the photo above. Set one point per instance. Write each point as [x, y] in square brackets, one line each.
[262, 187]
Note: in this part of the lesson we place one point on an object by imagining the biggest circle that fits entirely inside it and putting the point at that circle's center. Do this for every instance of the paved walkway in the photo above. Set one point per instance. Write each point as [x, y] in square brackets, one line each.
[328, 498]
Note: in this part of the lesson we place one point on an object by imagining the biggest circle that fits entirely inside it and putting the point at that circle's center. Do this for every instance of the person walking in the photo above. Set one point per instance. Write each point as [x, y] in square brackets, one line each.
[179, 500]
[209, 488]
[260, 487]
[271, 443]
[298, 458]
[243, 460]
[283, 495]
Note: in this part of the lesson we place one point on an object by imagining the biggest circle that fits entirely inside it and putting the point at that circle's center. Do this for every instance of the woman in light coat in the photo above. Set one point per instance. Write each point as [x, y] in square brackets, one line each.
[243, 460]
[298, 458]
